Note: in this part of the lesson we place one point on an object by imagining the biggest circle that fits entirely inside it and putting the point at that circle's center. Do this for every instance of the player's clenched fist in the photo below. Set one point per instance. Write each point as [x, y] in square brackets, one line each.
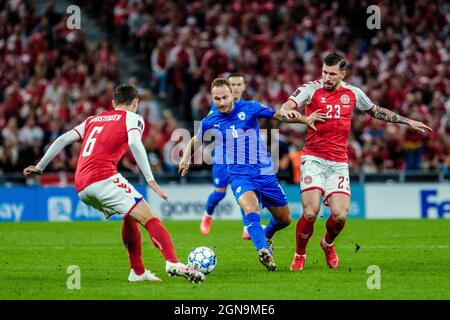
[183, 167]
[31, 170]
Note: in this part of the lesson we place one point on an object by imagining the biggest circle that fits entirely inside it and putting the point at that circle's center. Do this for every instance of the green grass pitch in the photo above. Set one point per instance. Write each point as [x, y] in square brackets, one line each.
[413, 257]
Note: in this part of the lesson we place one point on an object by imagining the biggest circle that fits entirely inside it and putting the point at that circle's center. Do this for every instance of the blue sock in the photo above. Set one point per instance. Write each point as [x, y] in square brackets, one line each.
[273, 227]
[213, 200]
[253, 223]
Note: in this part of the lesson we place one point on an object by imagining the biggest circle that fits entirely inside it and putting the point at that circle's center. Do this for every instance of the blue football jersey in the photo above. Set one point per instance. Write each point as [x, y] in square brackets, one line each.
[237, 138]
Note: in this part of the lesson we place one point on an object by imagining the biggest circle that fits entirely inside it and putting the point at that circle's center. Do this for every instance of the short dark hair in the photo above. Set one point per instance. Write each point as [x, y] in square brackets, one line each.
[218, 82]
[333, 59]
[236, 75]
[125, 94]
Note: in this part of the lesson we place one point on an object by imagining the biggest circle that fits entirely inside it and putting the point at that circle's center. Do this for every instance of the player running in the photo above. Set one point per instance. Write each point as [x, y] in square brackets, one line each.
[324, 167]
[235, 127]
[105, 139]
[219, 170]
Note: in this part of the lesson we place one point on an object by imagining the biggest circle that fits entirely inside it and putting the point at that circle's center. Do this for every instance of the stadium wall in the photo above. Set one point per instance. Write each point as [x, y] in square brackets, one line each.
[370, 201]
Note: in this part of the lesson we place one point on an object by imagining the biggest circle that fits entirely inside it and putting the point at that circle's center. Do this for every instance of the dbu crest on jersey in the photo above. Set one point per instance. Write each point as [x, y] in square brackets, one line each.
[241, 116]
[345, 99]
[307, 180]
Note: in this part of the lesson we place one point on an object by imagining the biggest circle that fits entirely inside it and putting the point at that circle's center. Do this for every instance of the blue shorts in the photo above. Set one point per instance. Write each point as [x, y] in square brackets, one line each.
[267, 189]
[220, 175]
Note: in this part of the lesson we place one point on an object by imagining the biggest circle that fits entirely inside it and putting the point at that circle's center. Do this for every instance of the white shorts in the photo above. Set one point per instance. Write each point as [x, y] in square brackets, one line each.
[111, 196]
[328, 176]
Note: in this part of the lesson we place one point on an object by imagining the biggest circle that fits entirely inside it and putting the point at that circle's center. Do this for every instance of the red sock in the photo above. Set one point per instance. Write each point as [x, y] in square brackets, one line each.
[333, 229]
[304, 231]
[131, 237]
[161, 239]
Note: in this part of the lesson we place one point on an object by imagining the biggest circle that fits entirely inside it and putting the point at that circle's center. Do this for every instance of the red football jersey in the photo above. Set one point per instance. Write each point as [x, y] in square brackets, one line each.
[330, 140]
[105, 141]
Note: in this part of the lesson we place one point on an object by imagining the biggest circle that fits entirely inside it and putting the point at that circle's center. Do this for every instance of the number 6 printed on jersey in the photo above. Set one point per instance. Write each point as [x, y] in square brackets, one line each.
[90, 142]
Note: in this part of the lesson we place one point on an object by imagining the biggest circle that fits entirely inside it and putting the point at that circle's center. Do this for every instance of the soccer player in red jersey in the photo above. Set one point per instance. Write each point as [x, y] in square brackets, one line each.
[105, 139]
[324, 168]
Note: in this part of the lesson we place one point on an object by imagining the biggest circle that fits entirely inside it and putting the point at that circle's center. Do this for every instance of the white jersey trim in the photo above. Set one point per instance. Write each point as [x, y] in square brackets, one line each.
[134, 121]
[362, 100]
[303, 95]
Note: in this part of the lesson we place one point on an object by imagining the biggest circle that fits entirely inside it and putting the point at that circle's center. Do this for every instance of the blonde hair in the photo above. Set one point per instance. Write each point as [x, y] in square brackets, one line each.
[219, 82]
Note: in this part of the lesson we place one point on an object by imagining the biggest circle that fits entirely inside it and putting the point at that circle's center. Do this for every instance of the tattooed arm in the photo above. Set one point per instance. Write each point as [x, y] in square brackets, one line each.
[390, 116]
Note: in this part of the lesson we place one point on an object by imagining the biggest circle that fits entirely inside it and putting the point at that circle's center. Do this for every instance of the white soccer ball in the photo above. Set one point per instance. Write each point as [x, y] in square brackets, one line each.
[202, 259]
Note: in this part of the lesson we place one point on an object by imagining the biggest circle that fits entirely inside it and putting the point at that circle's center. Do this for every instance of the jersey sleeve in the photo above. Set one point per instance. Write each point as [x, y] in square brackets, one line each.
[80, 130]
[263, 111]
[302, 95]
[135, 122]
[362, 100]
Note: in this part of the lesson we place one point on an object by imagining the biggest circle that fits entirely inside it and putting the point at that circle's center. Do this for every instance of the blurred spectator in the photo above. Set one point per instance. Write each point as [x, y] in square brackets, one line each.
[160, 67]
[52, 74]
[200, 103]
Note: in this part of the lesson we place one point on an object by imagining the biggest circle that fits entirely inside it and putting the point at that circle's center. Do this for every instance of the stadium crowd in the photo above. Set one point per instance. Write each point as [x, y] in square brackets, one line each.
[52, 79]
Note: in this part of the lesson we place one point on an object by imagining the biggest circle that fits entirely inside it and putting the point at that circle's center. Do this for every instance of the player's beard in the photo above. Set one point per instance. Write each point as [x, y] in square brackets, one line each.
[226, 110]
[332, 86]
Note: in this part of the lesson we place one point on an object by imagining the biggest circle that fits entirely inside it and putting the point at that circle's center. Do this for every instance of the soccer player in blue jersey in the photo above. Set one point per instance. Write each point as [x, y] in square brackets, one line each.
[219, 170]
[250, 167]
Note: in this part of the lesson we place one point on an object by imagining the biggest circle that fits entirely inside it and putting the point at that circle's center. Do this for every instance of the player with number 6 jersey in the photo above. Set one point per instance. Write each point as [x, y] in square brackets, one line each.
[324, 168]
[105, 139]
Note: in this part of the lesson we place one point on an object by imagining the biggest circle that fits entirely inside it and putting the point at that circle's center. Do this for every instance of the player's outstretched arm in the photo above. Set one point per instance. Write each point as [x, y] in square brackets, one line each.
[190, 150]
[390, 116]
[140, 155]
[288, 105]
[292, 116]
[56, 147]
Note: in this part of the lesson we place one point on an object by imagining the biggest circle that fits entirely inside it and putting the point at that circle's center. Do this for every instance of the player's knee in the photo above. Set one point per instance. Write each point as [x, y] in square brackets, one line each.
[142, 213]
[310, 212]
[250, 208]
[310, 215]
[339, 214]
[286, 220]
